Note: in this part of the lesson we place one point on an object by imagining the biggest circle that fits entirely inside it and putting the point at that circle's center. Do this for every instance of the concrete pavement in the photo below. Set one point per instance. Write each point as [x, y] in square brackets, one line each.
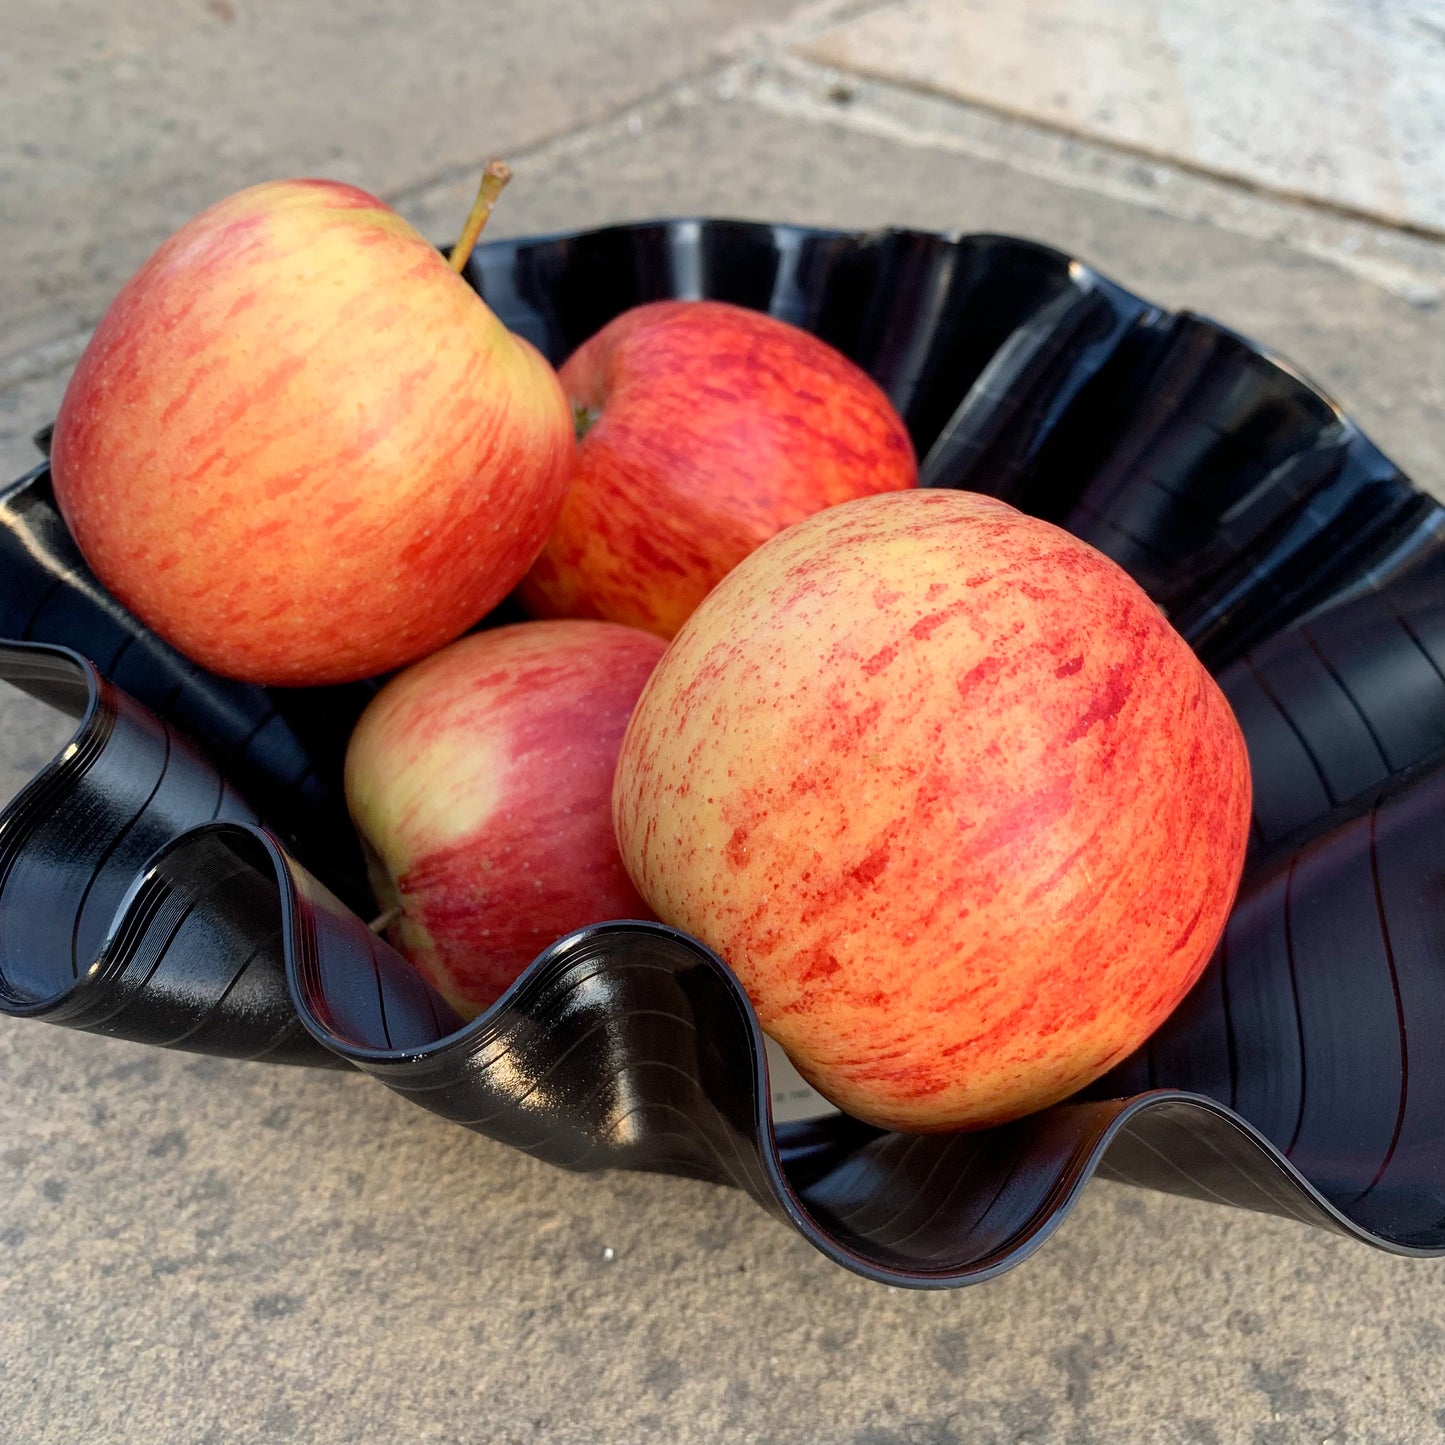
[194, 1250]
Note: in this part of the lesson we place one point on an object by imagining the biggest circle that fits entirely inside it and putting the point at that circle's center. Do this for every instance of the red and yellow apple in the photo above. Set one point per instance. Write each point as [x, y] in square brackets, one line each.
[480, 780]
[958, 805]
[301, 448]
[704, 430]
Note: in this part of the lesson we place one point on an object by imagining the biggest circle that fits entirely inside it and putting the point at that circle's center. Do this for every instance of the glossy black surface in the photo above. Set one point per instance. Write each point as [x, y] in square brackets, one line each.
[139, 896]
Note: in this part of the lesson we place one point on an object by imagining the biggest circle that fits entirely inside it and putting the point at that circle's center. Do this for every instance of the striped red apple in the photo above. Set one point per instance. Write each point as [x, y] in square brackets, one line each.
[301, 448]
[950, 795]
[705, 429]
[480, 780]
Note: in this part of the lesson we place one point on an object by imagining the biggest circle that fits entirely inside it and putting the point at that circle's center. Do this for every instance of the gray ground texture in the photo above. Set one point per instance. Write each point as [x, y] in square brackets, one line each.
[193, 1250]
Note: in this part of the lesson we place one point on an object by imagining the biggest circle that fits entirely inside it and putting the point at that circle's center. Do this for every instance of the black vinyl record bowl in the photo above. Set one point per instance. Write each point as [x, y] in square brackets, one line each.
[183, 872]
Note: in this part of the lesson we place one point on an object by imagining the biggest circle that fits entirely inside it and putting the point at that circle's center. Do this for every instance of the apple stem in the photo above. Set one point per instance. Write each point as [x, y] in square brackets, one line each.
[494, 179]
[383, 921]
[583, 417]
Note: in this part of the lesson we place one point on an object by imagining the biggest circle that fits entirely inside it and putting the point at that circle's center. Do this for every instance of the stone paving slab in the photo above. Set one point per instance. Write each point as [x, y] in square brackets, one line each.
[122, 120]
[1332, 100]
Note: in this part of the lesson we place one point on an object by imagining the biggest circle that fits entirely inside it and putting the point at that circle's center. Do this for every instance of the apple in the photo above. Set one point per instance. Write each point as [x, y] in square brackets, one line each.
[958, 805]
[480, 780]
[704, 430]
[301, 448]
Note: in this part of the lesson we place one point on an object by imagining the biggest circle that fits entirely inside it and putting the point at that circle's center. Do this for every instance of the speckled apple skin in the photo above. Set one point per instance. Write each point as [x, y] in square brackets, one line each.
[946, 790]
[301, 448]
[481, 781]
[714, 428]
